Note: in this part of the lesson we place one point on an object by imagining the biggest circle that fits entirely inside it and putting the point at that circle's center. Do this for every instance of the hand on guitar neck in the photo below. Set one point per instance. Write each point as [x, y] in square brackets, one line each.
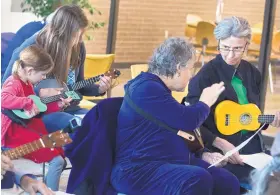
[276, 121]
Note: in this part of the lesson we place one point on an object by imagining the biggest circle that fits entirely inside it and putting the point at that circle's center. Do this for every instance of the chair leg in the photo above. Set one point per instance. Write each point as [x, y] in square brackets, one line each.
[270, 78]
[44, 171]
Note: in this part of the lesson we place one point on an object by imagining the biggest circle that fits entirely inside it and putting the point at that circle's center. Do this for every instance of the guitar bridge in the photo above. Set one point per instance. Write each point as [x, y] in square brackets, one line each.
[227, 120]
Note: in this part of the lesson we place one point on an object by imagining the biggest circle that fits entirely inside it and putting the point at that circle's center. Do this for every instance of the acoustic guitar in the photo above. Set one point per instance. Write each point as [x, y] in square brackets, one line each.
[53, 140]
[68, 91]
[231, 117]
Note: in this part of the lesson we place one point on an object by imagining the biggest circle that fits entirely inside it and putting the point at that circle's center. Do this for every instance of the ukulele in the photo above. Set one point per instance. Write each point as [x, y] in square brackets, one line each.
[53, 83]
[53, 140]
[231, 117]
[68, 91]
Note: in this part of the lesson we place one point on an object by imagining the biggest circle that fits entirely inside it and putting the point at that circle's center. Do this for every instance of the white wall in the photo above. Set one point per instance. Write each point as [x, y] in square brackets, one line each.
[11, 19]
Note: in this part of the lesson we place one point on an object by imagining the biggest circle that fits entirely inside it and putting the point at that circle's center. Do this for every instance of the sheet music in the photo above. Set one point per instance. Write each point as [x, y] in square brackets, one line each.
[258, 160]
[236, 149]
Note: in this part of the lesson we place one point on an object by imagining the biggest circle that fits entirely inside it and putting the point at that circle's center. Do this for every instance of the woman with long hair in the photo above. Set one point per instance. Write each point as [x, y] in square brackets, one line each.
[62, 39]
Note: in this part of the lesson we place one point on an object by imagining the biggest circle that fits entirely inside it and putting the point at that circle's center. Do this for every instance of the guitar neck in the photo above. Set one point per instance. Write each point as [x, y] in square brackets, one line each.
[23, 149]
[50, 99]
[87, 82]
[266, 119]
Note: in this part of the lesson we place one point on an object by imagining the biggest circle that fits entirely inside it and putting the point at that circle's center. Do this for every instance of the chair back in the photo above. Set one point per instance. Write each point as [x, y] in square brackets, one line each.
[205, 30]
[5, 38]
[191, 24]
[276, 43]
[96, 64]
[136, 69]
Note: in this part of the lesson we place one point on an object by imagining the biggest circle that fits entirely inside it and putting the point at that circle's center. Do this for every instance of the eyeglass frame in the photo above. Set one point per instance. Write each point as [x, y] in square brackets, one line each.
[241, 52]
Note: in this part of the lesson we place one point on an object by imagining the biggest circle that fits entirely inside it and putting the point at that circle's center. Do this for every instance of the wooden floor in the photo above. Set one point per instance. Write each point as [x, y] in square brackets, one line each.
[272, 99]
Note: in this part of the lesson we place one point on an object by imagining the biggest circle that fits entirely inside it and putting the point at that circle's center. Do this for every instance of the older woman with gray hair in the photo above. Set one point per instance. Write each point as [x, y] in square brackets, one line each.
[242, 82]
[151, 159]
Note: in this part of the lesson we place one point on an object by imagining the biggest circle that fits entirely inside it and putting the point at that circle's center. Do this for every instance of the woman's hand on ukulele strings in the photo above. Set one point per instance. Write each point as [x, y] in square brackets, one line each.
[276, 121]
[104, 84]
[64, 103]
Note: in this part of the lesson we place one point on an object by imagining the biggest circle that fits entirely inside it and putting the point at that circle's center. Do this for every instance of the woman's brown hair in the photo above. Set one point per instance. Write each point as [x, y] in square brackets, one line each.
[57, 36]
[35, 57]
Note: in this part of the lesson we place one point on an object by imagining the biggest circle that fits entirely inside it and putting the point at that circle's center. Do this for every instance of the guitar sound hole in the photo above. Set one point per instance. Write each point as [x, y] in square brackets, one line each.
[245, 119]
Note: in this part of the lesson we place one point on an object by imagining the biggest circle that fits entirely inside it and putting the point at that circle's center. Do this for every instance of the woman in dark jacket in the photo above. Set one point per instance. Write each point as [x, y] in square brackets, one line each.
[242, 82]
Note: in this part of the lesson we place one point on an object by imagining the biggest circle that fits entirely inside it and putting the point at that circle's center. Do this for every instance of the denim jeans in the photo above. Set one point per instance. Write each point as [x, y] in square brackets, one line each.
[56, 166]
[59, 120]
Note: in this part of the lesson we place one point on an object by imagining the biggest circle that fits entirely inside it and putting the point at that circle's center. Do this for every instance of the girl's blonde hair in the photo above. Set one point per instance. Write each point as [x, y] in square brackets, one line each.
[35, 57]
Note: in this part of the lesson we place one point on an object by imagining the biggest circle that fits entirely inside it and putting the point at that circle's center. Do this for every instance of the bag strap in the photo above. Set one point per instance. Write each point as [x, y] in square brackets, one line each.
[148, 116]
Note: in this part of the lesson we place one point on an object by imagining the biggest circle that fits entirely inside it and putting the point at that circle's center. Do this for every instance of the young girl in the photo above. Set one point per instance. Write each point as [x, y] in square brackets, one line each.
[31, 68]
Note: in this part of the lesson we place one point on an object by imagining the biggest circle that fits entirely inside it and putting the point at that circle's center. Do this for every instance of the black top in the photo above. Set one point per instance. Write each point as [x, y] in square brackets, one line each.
[215, 71]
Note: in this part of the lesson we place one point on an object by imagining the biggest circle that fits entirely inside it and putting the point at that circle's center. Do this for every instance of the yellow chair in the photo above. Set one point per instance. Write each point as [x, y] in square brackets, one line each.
[138, 68]
[96, 64]
[205, 31]
[276, 43]
[257, 33]
[191, 24]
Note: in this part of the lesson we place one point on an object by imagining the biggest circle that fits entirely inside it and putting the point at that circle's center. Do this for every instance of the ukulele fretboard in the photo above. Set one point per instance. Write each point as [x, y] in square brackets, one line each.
[23, 149]
[266, 119]
[50, 99]
[85, 83]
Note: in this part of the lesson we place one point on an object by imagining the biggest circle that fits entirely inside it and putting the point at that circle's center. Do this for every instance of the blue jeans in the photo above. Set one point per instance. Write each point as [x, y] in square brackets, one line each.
[59, 120]
[155, 177]
[52, 178]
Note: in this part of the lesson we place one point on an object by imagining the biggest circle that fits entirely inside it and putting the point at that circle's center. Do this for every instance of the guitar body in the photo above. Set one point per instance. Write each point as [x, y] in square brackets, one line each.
[41, 106]
[231, 117]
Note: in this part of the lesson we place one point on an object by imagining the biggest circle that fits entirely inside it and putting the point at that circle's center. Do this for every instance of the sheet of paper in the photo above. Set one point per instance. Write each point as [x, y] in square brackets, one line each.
[236, 149]
[258, 160]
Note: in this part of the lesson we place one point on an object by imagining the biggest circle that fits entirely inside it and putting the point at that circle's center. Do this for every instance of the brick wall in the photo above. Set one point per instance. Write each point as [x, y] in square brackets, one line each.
[142, 23]
[252, 10]
[99, 42]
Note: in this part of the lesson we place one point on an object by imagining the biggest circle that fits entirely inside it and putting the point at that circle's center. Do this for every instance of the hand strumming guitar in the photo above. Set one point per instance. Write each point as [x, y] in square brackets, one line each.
[64, 103]
[33, 111]
[6, 165]
[104, 84]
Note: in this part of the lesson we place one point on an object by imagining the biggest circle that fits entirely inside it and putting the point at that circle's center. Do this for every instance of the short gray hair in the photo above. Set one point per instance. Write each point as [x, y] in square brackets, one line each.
[172, 52]
[233, 26]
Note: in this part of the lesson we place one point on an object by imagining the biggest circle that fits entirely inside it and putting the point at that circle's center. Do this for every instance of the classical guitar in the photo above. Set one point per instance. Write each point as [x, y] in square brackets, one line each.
[53, 140]
[231, 117]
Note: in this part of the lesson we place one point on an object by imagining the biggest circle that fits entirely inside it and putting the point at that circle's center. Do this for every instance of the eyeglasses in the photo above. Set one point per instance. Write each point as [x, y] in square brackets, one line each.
[236, 50]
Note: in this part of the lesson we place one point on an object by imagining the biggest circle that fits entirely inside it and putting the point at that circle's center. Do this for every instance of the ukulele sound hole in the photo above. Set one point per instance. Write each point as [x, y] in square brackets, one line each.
[245, 119]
